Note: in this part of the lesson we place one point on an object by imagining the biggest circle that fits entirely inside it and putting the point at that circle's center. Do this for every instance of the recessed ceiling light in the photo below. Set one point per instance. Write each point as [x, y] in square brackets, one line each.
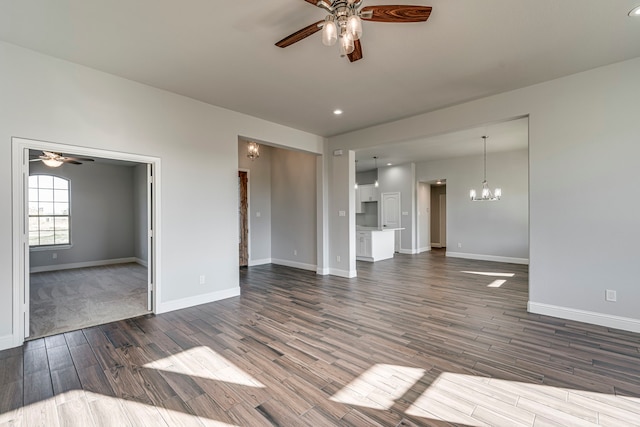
[337, 112]
[389, 164]
[635, 11]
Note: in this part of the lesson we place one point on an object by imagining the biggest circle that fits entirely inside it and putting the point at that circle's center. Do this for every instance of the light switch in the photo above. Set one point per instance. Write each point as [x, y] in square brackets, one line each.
[342, 213]
[405, 213]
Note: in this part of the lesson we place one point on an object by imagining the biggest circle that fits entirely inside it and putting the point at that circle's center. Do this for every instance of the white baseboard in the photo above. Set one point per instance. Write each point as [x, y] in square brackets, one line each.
[294, 264]
[142, 262]
[436, 245]
[263, 261]
[165, 307]
[601, 319]
[323, 271]
[482, 257]
[85, 264]
[6, 342]
[408, 251]
[425, 249]
[343, 273]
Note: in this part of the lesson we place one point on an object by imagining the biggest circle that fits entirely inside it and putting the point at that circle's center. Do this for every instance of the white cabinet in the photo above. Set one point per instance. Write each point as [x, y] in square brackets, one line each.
[363, 244]
[368, 193]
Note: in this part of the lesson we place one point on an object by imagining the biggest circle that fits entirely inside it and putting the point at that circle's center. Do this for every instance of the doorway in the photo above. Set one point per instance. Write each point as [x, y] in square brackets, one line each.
[76, 270]
[438, 216]
[243, 214]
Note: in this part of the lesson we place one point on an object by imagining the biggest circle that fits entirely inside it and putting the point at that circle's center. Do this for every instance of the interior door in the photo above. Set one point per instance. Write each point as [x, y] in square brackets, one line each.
[391, 214]
[150, 259]
[243, 208]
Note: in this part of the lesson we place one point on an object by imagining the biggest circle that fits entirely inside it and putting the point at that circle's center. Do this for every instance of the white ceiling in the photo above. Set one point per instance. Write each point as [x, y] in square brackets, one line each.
[223, 53]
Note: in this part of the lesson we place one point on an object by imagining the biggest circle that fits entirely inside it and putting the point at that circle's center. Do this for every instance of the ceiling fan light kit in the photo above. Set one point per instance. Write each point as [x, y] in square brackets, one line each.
[345, 22]
[54, 160]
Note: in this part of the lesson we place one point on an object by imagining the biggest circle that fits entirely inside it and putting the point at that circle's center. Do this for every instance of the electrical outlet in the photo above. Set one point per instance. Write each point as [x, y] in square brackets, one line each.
[54, 255]
[610, 295]
[459, 244]
[258, 214]
[202, 281]
[295, 252]
[338, 258]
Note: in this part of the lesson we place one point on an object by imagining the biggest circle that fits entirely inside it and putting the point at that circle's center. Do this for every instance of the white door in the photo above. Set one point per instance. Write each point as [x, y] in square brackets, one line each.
[391, 214]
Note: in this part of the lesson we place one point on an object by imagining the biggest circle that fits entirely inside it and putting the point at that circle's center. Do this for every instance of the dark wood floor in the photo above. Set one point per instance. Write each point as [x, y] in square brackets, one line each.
[418, 340]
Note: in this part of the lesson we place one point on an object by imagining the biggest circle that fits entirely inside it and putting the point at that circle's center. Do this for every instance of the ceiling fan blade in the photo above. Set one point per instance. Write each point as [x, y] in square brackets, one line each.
[299, 35]
[35, 160]
[73, 162]
[357, 51]
[82, 159]
[396, 13]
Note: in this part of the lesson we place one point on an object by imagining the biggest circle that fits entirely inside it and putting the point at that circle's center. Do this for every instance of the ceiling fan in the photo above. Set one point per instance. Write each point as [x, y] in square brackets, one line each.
[344, 22]
[55, 160]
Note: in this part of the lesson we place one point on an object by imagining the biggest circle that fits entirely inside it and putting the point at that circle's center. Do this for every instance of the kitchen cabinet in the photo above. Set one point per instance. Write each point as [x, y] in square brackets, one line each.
[368, 193]
[375, 244]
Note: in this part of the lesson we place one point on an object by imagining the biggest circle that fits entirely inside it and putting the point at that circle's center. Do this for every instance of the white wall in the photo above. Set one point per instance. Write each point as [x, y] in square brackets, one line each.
[423, 220]
[293, 208]
[53, 100]
[484, 229]
[584, 214]
[102, 214]
[259, 202]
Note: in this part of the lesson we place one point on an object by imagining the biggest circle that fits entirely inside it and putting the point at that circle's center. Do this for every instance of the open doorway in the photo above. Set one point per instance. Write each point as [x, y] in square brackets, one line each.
[88, 250]
[438, 222]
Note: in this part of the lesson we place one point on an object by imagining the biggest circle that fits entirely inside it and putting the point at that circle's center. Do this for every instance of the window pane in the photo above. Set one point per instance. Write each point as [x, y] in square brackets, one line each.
[33, 195]
[45, 208]
[33, 181]
[33, 208]
[61, 237]
[34, 239]
[61, 208]
[46, 238]
[45, 195]
[34, 224]
[62, 224]
[61, 184]
[45, 181]
[60, 195]
[46, 223]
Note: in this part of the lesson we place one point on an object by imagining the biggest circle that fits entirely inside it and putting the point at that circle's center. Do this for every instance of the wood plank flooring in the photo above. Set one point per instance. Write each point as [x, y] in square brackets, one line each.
[417, 340]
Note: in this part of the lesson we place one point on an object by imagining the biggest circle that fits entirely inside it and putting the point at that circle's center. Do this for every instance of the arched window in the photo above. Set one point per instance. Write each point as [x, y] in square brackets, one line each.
[49, 207]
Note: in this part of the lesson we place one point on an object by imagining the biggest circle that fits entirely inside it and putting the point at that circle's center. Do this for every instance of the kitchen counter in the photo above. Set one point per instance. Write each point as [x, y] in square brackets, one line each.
[374, 243]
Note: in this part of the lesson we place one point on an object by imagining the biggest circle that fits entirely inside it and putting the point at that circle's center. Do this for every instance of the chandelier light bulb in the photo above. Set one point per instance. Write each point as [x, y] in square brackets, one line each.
[329, 31]
[52, 163]
[346, 44]
[354, 27]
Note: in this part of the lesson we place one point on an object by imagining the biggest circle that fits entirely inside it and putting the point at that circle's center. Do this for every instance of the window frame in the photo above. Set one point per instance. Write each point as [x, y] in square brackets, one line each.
[54, 246]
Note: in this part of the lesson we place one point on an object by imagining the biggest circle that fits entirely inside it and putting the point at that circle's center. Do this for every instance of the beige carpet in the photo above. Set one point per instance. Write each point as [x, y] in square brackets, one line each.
[67, 300]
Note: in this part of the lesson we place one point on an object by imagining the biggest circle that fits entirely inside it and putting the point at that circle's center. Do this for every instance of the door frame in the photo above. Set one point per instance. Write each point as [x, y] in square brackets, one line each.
[248, 172]
[20, 243]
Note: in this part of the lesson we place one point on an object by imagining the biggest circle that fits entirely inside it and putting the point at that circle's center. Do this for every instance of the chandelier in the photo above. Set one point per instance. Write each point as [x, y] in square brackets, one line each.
[486, 194]
[253, 150]
[344, 22]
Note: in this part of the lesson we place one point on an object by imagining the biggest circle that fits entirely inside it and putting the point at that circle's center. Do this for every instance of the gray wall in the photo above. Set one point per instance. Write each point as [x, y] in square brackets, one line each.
[424, 216]
[498, 228]
[259, 202]
[140, 244]
[401, 179]
[367, 177]
[293, 207]
[102, 213]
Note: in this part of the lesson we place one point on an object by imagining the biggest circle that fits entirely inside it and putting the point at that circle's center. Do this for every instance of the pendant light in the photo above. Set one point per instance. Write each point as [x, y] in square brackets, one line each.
[375, 159]
[486, 194]
[356, 184]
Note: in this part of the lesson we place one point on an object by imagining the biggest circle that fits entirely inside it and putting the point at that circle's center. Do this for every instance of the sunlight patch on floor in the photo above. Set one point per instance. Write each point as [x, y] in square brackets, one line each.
[479, 401]
[379, 386]
[203, 362]
[496, 283]
[487, 273]
[84, 408]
